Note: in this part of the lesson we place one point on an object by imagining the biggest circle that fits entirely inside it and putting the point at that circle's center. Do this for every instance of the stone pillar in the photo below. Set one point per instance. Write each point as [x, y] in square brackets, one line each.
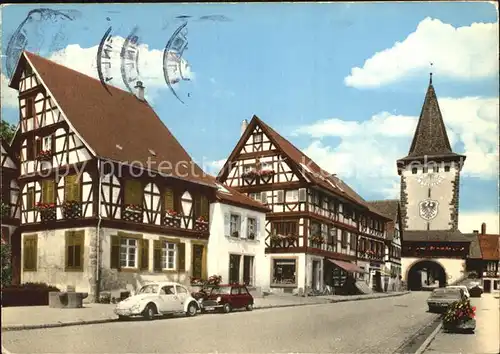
[92, 268]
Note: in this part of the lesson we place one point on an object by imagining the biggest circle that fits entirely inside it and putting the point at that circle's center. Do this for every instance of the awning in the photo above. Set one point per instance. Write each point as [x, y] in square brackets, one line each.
[348, 267]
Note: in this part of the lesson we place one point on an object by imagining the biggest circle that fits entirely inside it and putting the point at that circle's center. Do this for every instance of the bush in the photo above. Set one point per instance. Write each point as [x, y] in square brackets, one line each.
[6, 264]
[27, 294]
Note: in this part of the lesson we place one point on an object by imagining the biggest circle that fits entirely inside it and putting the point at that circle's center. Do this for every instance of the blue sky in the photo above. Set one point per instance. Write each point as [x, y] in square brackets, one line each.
[294, 65]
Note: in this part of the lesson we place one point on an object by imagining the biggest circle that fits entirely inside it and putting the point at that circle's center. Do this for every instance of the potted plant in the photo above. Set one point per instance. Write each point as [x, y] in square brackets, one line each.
[136, 208]
[214, 280]
[44, 155]
[275, 239]
[172, 213]
[266, 175]
[4, 210]
[71, 209]
[460, 317]
[202, 220]
[317, 239]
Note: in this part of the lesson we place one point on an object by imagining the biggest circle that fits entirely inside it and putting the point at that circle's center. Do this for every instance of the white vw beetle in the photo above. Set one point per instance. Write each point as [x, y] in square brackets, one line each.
[158, 298]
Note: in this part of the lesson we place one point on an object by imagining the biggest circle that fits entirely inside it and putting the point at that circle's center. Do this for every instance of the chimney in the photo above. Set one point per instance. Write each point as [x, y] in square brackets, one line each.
[140, 90]
[483, 228]
[244, 126]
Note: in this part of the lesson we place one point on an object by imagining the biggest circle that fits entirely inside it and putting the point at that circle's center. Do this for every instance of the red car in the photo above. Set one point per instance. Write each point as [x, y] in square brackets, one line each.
[225, 298]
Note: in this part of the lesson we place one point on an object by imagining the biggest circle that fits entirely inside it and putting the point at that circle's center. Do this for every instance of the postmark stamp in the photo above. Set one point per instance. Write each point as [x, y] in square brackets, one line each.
[175, 68]
[42, 29]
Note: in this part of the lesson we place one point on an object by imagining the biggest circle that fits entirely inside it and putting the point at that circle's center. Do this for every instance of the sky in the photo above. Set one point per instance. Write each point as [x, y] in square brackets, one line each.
[344, 82]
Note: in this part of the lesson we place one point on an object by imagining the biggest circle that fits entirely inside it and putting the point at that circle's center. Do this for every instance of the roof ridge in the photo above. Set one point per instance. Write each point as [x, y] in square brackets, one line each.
[80, 73]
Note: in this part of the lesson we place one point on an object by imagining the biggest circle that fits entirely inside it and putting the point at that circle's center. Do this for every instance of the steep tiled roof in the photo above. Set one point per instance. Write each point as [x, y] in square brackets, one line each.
[108, 120]
[387, 207]
[435, 236]
[232, 196]
[490, 245]
[430, 136]
[312, 171]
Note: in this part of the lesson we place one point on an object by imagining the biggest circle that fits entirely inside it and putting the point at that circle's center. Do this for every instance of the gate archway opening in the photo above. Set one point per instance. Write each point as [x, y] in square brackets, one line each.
[426, 275]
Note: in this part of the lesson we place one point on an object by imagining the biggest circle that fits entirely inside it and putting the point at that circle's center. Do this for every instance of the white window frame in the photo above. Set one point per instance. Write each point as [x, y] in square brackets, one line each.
[47, 142]
[169, 249]
[248, 168]
[292, 196]
[260, 136]
[249, 219]
[236, 223]
[125, 247]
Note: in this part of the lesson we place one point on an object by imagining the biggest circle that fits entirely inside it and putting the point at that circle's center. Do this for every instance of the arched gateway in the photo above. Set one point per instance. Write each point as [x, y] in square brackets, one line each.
[433, 249]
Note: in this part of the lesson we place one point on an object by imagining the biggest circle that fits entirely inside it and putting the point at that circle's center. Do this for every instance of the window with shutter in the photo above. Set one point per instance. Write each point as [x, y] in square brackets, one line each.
[72, 188]
[353, 241]
[169, 199]
[74, 250]
[181, 256]
[38, 146]
[144, 247]
[205, 207]
[344, 239]
[263, 197]
[157, 256]
[30, 252]
[48, 195]
[302, 195]
[115, 252]
[280, 196]
[133, 192]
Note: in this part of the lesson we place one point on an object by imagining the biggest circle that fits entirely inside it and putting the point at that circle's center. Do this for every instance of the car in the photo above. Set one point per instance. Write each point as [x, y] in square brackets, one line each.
[157, 299]
[225, 298]
[463, 287]
[441, 298]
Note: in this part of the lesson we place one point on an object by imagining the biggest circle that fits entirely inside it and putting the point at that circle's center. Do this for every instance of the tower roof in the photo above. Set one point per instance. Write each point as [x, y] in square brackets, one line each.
[430, 137]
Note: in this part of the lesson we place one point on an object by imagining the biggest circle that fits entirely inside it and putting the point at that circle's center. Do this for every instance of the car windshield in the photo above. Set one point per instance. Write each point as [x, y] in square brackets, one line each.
[223, 290]
[446, 293]
[149, 289]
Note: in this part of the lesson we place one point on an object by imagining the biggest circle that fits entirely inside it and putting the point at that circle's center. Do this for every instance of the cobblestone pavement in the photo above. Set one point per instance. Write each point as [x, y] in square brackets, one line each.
[370, 326]
[486, 338]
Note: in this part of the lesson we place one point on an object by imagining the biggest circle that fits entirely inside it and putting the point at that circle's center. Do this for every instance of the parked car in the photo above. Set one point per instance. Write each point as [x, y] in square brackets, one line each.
[225, 298]
[441, 298]
[156, 299]
[463, 287]
[475, 289]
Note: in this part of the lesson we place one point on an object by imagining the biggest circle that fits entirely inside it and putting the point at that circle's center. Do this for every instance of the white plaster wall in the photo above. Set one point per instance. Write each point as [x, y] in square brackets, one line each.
[443, 193]
[220, 246]
[51, 259]
[454, 268]
[123, 279]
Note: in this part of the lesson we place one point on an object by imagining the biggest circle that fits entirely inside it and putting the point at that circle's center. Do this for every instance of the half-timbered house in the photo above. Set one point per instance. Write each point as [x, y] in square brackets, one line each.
[392, 254]
[108, 195]
[318, 226]
[236, 248]
[9, 205]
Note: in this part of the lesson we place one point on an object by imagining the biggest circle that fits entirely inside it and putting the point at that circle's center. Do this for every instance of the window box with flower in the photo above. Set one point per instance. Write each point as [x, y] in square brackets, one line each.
[266, 175]
[317, 240]
[250, 175]
[201, 224]
[44, 155]
[72, 209]
[132, 212]
[47, 211]
[459, 317]
[172, 218]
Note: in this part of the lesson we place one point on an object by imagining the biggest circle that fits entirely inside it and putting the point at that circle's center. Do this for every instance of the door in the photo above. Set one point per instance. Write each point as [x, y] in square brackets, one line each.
[234, 268]
[487, 285]
[182, 294]
[248, 270]
[169, 301]
[197, 261]
[315, 275]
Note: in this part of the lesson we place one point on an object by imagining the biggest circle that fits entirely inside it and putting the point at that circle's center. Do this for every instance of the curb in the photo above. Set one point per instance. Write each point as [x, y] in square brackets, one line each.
[429, 339]
[108, 320]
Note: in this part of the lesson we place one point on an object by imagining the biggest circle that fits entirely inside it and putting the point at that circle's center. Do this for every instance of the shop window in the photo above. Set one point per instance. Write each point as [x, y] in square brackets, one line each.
[284, 271]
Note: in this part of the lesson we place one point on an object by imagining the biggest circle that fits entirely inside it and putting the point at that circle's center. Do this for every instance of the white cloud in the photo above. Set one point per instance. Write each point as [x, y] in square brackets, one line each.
[468, 222]
[213, 167]
[84, 60]
[9, 96]
[368, 150]
[464, 52]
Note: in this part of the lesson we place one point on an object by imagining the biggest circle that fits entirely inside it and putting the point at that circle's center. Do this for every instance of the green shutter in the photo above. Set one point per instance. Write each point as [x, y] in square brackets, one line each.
[197, 207]
[144, 254]
[157, 266]
[205, 207]
[181, 256]
[67, 236]
[115, 252]
[169, 199]
[79, 240]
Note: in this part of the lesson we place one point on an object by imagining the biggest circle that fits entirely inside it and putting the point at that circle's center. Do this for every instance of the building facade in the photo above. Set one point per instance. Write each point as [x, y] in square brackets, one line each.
[434, 250]
[236, 247]
[318, 227]
[107, 196]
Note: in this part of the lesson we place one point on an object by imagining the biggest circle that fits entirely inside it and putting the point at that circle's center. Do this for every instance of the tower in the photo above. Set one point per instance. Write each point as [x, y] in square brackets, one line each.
[430, 173]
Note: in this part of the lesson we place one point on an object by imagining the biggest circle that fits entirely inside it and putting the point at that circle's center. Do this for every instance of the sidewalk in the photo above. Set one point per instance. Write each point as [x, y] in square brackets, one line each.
[486, 338]
[32, 317]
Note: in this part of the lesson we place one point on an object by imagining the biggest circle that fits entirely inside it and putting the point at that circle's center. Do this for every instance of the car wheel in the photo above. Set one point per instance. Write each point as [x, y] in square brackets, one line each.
[192, 309]
[249, 307]
[149, 312]
[227, 308]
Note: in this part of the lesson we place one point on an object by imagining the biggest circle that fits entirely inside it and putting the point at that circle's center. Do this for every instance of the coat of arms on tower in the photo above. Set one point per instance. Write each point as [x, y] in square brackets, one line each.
[428, 209]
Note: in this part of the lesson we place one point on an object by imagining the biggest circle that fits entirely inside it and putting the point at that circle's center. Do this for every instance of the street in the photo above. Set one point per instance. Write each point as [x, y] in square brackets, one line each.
[369, 326]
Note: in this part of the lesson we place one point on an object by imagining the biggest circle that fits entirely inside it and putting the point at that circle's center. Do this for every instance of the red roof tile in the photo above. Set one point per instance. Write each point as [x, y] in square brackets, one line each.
[106, 120]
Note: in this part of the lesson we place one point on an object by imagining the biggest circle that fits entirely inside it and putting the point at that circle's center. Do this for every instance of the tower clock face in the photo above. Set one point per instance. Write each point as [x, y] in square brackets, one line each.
[430, 179]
